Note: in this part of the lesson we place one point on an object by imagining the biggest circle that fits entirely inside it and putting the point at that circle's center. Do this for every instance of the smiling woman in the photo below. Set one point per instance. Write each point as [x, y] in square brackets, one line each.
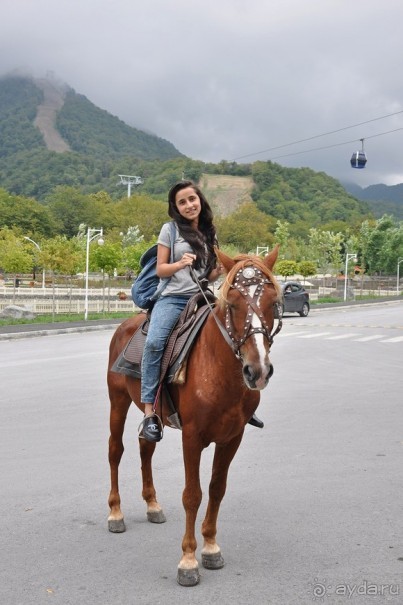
[194, 238]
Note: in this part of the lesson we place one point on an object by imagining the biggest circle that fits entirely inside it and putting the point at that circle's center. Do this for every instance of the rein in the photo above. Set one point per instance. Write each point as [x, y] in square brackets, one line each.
[245, 278]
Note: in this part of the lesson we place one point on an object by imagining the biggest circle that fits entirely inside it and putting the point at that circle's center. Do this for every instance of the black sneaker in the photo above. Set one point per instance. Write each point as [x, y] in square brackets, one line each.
[152, 430]
[255, 421]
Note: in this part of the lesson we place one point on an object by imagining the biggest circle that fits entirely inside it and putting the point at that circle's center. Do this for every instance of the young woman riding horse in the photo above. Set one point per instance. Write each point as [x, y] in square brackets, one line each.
[193, 247]
[227, 367]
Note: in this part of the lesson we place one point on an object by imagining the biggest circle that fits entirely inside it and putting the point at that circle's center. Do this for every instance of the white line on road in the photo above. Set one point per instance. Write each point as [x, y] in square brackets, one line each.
[341, 336]
[315, 335]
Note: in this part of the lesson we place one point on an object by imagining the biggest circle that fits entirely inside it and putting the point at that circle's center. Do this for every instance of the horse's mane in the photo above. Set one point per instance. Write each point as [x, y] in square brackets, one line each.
[246, 260]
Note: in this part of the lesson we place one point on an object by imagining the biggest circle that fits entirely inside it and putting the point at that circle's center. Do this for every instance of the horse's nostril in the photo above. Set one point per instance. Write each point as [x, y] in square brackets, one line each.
[249, 373]
[271, 371]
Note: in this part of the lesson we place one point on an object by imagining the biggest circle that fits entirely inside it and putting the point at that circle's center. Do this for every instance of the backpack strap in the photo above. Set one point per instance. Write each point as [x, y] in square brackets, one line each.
[173, 235]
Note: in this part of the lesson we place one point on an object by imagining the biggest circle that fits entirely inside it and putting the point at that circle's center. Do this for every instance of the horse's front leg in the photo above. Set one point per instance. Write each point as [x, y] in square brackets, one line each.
[188, 568]
[223, 455]
[120, 403]
[154, 511]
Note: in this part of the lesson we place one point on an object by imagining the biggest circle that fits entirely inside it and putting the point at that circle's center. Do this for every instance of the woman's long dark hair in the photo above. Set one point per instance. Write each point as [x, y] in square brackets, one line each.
[205, 234]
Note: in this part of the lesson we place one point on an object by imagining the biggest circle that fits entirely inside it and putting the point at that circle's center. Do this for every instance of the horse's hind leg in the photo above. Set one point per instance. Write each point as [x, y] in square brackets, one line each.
[154, 511]
[120, 403]
[211, 553]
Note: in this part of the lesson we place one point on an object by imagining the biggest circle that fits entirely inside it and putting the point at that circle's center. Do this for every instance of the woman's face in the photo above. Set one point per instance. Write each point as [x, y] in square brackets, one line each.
[188, 204]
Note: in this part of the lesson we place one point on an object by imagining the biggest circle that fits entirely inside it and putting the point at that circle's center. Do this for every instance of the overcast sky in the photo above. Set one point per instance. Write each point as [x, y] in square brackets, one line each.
[225, 79]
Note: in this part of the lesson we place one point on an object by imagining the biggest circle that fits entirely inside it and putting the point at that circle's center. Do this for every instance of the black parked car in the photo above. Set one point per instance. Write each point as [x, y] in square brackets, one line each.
[295, 298]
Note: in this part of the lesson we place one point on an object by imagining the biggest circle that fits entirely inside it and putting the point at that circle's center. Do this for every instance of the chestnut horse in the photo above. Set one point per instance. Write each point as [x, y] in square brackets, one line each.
[227, 367]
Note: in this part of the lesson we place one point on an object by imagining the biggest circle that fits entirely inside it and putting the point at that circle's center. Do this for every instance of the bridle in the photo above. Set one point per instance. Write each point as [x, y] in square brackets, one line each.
[245, 278]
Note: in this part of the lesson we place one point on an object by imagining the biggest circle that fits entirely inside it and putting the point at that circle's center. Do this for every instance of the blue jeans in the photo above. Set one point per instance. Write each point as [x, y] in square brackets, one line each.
[164, 316]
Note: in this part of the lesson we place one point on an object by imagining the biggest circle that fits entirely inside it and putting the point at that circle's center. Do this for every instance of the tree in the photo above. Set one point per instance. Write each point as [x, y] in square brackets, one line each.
[107, 258]
[60, 256]
[286, 268]
[26, 214]
[132, 237]
[245, 229]
[71, 207]
[14, 257]
[281, 236]
[325, 249]
[146, 213]
[382, 244]
[131, 257]
[306, 268]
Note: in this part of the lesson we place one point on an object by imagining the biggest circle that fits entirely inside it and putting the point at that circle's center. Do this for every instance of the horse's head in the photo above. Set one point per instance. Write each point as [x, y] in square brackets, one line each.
[248, 300]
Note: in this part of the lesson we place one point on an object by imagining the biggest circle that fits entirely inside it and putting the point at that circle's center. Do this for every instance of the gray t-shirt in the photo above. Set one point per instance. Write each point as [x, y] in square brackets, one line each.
[181, 282]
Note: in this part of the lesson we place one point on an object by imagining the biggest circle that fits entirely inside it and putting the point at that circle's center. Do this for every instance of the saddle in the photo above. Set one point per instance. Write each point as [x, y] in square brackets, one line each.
[178, 347]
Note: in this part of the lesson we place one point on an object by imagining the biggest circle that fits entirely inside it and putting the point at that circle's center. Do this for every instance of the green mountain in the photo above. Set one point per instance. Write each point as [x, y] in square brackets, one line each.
[50, 135]
[382, 199]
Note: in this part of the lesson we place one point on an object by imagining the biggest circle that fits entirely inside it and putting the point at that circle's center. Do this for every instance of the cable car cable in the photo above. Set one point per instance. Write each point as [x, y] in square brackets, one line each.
[372, 136]
[317, 136]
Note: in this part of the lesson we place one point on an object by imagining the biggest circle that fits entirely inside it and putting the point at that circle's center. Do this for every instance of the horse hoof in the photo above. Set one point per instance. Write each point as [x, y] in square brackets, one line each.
[213, 561]
[188, 577]
[156, 517]
[116, 526]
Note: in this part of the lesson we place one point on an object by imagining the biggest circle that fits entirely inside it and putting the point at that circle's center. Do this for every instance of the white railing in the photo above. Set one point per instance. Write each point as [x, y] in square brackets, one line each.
[59, 291]
[63, 306]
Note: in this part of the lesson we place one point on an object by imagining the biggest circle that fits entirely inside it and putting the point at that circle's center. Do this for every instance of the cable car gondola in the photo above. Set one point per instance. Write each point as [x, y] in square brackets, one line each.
[359, 159]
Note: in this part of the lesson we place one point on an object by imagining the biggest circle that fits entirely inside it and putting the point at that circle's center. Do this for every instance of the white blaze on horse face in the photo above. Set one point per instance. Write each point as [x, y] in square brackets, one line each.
[259, 339]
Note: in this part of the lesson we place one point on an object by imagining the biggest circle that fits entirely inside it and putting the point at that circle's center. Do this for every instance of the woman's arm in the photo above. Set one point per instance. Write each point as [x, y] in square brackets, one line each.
[167, 269]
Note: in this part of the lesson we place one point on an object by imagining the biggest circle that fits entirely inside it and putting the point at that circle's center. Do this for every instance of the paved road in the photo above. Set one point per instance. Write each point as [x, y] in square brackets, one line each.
[313, 507]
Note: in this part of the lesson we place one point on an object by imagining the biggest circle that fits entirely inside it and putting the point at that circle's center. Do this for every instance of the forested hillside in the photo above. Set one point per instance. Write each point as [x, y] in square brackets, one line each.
[99, 141]
[103, 147]
[304, 198]
[94, 132]
[19, 99]
[380, 198]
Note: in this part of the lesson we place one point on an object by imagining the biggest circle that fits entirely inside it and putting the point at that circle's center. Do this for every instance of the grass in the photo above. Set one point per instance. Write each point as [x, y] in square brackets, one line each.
[326, 299]
[48, 319]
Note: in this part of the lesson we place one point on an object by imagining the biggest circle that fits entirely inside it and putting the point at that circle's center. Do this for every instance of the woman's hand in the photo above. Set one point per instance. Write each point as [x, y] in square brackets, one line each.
[187, 260]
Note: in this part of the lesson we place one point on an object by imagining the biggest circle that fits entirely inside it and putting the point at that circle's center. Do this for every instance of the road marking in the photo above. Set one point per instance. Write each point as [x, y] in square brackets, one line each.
[315, 335]
[341, 336]
[352, 336]
[57, 359]
[291, 334]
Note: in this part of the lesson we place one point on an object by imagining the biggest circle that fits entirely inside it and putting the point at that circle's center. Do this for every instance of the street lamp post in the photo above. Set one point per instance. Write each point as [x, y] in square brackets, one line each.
[399, 260]
[43, 269]
[348, 257]
[91, 234]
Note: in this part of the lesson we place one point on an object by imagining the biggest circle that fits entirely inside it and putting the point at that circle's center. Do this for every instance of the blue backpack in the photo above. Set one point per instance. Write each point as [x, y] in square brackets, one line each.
[148, 286]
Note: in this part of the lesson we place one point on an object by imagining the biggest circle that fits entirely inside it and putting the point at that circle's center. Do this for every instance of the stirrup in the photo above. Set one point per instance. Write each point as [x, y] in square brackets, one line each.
[255, 421]
[151, 430]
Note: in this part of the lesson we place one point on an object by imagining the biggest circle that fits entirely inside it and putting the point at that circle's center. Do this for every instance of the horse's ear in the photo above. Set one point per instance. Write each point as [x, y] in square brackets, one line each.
[226, 261]
[270, 259]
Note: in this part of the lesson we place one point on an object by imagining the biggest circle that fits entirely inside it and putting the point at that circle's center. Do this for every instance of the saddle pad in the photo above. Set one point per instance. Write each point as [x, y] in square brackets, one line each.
[176, 350]
[134, 348]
